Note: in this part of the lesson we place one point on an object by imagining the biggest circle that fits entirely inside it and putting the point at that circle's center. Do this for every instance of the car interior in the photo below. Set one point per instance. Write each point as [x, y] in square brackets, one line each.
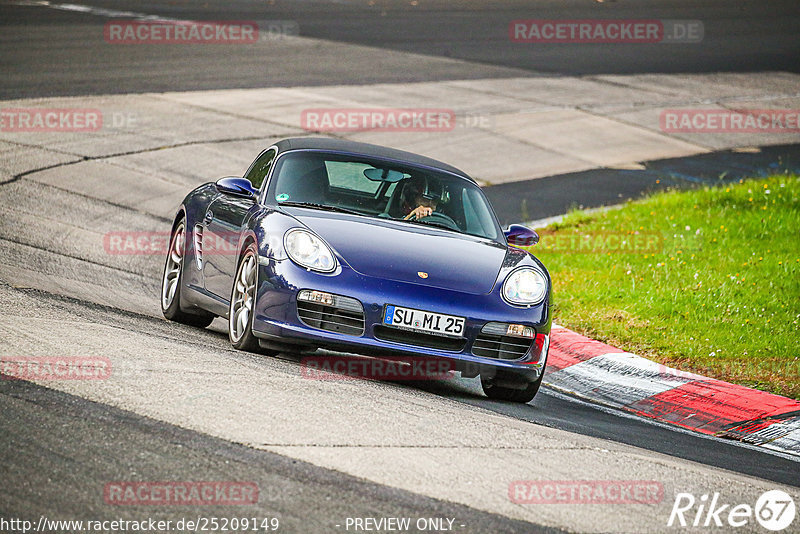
[364, 188]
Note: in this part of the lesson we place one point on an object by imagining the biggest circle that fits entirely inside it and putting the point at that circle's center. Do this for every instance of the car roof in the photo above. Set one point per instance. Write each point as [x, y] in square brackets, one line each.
[365, 149]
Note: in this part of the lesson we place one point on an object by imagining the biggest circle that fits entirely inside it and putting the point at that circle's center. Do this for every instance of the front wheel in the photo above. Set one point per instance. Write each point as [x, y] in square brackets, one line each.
[171, 282]
[243, 299]
[499, 388]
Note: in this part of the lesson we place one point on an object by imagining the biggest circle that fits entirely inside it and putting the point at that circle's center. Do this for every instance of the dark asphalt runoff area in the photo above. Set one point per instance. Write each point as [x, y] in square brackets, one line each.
[58, 450]
[49, 52]
[65, 449]
[540, 198]
[85, 445]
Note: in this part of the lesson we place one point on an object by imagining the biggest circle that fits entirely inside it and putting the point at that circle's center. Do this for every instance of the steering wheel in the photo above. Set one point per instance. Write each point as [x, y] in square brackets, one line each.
[440, 219]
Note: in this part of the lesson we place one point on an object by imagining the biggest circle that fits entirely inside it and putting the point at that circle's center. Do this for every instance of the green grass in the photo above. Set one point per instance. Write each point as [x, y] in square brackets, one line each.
[711, 286]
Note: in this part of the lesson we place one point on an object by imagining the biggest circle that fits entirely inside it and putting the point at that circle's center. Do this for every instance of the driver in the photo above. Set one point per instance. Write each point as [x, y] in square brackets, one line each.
[422, 192]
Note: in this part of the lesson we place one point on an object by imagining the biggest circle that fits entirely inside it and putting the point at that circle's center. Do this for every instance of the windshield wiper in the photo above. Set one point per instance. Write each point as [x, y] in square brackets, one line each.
[324, 207]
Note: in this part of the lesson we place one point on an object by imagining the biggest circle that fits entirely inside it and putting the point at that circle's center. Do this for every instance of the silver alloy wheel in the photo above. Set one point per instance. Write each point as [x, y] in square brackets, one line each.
[172, 271]
[242, 301]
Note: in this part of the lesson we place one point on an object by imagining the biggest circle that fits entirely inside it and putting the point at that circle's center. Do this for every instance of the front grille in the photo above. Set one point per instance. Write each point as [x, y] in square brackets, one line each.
[419, 339]
[341, 320]
[500, 347]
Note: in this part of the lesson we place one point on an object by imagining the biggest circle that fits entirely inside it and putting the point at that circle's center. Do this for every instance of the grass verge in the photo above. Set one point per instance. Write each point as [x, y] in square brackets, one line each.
[706, 281]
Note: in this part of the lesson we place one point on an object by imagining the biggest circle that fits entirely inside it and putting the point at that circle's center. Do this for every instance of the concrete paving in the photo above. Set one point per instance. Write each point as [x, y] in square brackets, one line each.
[381, 432]
[506, 129]
[85, 445]
[57, 48]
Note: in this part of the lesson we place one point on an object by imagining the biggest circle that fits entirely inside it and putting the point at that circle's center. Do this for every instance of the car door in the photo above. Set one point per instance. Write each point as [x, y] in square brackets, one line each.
[224, 220]
[223, 225]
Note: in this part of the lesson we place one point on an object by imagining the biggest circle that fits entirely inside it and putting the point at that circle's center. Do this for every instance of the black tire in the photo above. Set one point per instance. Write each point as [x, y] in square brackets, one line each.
[240, 329]
[497, 392]
[171, 282]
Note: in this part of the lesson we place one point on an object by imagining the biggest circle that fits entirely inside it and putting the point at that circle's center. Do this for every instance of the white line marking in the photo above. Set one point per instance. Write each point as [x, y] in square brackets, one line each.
[566, 396]
[618, 379]
[98, 11]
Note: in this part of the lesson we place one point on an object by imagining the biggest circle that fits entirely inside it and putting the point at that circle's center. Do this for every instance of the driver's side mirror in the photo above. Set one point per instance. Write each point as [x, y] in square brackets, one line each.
[521, 236]
[238, 187]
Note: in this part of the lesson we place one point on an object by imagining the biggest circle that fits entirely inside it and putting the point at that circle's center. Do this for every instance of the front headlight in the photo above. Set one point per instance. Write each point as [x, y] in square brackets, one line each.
[525, 286]
[309, 251]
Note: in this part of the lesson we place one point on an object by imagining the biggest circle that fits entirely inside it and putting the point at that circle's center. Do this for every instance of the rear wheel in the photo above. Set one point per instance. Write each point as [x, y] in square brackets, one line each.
[502, 387]
[243, 298]
[171, 282]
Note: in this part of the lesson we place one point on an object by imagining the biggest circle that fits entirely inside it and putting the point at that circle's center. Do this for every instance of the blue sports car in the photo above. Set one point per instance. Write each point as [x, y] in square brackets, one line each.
[353, 247]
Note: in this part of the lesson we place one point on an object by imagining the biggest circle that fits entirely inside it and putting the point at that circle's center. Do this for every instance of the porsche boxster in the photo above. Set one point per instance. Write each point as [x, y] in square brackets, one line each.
[352, 247]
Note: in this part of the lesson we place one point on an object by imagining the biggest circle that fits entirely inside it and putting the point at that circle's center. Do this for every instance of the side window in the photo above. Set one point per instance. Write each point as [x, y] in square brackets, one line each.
[261, 168]
[478, 218]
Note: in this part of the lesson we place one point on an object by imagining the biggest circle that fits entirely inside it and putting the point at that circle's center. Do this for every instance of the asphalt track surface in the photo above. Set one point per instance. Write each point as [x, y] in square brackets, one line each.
[554, 195]
[58, 448]
[40, 427]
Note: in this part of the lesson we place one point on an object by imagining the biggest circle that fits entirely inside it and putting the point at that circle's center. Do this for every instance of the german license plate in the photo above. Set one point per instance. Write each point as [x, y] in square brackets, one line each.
[423, 321]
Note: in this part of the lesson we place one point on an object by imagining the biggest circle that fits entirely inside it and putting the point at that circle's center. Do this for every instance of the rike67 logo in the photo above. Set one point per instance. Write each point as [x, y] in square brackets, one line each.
[774, 510]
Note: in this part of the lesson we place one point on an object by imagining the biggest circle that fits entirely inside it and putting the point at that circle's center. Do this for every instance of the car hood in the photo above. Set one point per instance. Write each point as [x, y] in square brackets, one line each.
[400, 251]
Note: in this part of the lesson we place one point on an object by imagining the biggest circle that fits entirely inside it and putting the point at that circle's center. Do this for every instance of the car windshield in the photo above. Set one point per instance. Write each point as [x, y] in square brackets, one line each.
[378, 188]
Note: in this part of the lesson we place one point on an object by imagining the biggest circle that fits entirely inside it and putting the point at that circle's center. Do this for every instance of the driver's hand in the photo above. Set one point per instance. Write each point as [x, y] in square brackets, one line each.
[419, 212]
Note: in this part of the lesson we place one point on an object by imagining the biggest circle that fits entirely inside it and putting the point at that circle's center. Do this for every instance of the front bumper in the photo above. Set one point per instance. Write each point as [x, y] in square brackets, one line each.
[276, 319]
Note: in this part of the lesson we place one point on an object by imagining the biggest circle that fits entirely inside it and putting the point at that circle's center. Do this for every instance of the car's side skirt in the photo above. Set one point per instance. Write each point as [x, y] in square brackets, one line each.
[208, 301]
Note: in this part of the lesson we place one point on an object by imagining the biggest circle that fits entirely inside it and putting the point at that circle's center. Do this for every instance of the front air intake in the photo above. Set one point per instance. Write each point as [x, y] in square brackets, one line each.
[332, 313]
[500, 347]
